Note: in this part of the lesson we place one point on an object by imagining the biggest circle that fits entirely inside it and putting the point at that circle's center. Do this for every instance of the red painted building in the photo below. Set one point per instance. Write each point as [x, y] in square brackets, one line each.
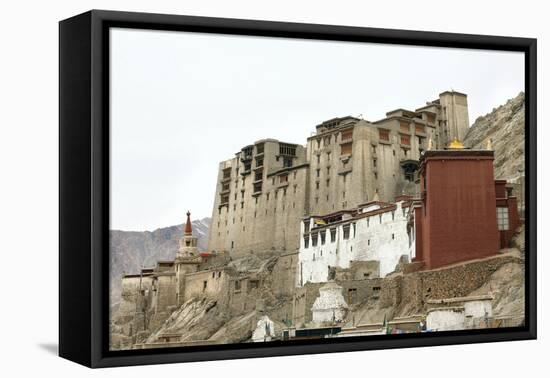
[463, 213]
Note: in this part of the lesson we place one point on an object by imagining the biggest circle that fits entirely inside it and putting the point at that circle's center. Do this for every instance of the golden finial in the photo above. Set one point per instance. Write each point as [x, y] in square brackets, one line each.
[456, 145]
[489, 145]
[430, 144]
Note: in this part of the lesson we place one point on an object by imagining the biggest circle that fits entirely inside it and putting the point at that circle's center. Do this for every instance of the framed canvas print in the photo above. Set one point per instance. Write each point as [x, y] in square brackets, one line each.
[236, 188]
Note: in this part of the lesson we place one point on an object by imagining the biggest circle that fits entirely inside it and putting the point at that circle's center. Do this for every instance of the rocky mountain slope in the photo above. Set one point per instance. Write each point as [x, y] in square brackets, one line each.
[505, 126]
[201, 319]
[130, 250]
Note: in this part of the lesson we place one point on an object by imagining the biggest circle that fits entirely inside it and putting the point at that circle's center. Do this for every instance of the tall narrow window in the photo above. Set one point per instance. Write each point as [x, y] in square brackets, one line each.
[345, 228]
[287, 162]
[314, 239]
[347, 134]
[259, 161]
[502, 219]
[384, 135]
[260, 148]
[345, 149]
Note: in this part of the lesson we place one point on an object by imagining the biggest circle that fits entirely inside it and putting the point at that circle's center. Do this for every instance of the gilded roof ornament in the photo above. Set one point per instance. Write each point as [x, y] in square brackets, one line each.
[456, 145]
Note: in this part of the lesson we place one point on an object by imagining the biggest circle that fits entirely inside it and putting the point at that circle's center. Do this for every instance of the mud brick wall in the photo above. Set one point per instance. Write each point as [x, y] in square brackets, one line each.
[459, 281]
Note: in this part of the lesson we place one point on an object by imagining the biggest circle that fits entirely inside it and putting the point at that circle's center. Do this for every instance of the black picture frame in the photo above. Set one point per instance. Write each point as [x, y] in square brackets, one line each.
[84, 186]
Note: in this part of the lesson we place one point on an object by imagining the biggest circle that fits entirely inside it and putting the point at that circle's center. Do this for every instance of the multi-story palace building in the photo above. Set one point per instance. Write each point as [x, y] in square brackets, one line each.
[269, 186]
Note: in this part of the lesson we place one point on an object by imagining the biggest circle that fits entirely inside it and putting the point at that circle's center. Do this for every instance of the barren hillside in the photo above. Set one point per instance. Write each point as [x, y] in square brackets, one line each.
[505, 126]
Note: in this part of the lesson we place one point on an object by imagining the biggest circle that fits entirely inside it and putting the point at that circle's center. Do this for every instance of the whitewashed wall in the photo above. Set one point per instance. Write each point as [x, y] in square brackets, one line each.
[478, 308]
[330, 305]
[380, 237]
[448, 319]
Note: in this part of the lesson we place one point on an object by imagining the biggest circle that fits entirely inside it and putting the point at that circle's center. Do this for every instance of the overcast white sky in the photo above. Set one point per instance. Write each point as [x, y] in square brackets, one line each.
[183, 102]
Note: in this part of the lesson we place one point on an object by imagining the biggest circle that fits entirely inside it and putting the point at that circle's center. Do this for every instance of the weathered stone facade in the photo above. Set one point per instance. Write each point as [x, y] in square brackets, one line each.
[259, 279]
[260, 199]
[267, 187]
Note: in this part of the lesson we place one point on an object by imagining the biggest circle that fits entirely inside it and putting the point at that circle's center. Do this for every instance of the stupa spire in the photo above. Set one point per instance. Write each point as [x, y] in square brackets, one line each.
[188, 228]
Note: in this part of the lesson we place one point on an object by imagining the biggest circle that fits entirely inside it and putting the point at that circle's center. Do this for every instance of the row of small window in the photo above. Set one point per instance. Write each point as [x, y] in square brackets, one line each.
[253, 284]
[247, 151]
[287, 149]
[307, 223]
[214, 275]
[255, 213]
[418, 128]
[313, 258]
[288, 162]
[224, 197]
[284, 149]
[327, 140]
[384, 135]
[332, 240]
[259, 176]
[404, 151]
[322, 234]
[352, 292]
[319, 157]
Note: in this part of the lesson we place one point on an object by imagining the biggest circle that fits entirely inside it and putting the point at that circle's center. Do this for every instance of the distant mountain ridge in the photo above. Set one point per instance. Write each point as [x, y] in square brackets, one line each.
[505, 126]
[132, 250]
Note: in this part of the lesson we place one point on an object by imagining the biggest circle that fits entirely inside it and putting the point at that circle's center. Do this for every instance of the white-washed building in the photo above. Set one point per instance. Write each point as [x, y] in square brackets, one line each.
[375, 231]
[330, 306]
[459, 313]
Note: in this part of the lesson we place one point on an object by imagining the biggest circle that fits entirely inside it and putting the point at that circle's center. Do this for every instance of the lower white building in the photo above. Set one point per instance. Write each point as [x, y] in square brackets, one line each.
[460, 313]
[375, 231]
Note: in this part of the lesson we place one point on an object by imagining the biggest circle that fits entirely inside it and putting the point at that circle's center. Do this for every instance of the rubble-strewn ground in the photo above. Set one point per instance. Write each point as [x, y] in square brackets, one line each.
[239, 329]
[507, 287]
[196, 319]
